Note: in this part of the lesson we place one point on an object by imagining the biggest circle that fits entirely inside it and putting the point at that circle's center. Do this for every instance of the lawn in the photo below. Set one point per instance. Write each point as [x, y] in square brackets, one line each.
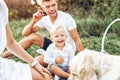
[112, 42]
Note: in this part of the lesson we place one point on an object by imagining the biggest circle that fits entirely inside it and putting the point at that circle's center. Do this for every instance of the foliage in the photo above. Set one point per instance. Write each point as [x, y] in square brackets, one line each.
[20, 8]
[91, 26]
[80, 8]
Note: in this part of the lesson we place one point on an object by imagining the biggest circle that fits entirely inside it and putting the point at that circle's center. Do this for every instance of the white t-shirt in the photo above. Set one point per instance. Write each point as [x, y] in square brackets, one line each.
[3, 22]
[63, 19]
[52, 52]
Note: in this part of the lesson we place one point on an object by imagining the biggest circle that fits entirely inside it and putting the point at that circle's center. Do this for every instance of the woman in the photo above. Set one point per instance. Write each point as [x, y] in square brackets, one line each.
[9, 69]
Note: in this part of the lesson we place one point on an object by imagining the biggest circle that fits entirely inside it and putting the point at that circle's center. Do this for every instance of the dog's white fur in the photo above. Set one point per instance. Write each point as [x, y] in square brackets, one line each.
[94, 65]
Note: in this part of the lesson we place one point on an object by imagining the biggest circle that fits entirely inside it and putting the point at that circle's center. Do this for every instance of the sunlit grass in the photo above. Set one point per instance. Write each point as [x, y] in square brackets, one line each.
[112, 43]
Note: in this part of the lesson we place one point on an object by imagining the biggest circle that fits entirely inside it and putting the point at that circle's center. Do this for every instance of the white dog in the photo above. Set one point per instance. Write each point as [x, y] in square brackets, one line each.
[94, 65]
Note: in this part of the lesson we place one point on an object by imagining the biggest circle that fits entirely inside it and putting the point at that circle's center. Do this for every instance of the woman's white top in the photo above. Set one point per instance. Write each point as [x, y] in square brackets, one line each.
[3, 22]
[9, 69]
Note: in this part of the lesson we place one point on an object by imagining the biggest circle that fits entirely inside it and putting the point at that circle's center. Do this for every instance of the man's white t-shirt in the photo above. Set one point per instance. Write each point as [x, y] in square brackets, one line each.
[63, 19]
[3, 22]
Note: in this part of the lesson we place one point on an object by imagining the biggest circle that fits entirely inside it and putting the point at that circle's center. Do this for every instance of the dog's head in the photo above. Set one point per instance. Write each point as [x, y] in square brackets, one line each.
[86, 69]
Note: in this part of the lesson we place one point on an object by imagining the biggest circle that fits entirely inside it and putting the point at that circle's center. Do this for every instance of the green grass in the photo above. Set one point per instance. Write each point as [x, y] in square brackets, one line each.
[112, 46]
[112, 43]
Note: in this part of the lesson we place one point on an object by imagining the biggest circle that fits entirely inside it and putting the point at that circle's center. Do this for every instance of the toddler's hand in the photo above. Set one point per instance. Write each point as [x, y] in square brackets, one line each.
[59, 60]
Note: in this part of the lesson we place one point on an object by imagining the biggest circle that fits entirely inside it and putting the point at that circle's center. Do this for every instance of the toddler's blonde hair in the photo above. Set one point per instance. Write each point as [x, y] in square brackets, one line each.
[56, 28]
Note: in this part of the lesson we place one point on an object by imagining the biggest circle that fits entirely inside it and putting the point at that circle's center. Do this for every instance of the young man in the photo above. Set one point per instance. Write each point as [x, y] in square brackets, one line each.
[53, 17]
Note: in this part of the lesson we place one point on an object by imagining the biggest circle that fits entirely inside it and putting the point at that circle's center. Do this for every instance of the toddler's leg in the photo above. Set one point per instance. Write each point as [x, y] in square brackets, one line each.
[58, 71]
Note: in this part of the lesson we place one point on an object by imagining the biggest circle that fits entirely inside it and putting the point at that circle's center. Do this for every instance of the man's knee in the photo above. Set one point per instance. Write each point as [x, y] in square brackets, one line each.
[31, 36]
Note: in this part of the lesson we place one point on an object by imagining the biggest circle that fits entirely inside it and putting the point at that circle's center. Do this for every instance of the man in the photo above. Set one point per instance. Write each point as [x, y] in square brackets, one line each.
[54, 17]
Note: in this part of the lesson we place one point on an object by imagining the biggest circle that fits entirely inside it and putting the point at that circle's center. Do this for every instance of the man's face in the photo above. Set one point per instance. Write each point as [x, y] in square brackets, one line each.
[50, 7]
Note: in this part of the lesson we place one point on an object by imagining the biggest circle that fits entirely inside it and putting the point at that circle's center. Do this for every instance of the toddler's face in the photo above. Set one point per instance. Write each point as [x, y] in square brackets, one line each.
[59, 37]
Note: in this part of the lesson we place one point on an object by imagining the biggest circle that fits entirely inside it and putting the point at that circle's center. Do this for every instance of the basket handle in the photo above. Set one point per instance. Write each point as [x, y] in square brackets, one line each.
[103, 39]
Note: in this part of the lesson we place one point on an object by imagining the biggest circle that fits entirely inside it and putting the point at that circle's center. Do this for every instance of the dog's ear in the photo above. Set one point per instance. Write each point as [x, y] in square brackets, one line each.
[74, 74]
[82, 74]
[88, 70]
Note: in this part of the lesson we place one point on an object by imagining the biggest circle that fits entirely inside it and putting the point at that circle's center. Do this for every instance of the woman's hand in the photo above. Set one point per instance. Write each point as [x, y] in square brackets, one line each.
[41, 70]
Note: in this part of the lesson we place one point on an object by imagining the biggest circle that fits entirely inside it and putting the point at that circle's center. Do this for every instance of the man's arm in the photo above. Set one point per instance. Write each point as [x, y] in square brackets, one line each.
[76, 38]
[30, 28]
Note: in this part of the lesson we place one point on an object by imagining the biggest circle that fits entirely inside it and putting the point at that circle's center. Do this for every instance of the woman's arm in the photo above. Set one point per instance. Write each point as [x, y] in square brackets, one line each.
[15, 48]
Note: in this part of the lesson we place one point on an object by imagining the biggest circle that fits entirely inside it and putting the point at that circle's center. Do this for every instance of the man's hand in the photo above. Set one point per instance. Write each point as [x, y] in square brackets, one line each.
[38, 15]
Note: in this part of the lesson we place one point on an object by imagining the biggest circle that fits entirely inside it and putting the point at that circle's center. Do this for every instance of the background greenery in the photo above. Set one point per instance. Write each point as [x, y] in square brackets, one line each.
[92, 18]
